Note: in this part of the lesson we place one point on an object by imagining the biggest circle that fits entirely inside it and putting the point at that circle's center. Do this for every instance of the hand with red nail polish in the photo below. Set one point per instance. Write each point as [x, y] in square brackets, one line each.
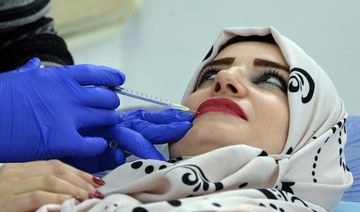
[28, 186]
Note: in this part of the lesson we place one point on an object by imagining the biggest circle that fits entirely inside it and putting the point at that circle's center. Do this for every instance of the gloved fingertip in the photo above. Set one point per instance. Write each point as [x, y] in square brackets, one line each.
[94, 146]
[122, 78]
[184, 125]
[119, 157]
[152, 154]
[158, 156]
[187, 116]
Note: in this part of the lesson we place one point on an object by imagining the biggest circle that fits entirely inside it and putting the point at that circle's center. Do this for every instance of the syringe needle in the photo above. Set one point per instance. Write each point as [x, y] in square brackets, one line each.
[150, 98]
[182, 107]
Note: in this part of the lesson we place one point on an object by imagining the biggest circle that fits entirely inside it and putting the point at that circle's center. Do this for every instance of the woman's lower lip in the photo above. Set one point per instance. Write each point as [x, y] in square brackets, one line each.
[221, 105]
[217, 110]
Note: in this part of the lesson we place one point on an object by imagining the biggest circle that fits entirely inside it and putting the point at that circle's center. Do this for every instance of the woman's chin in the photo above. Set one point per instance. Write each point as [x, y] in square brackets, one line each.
[201, 138]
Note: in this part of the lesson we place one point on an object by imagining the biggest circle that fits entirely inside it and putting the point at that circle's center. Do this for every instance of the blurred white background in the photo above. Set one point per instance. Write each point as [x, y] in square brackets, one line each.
[163, 41]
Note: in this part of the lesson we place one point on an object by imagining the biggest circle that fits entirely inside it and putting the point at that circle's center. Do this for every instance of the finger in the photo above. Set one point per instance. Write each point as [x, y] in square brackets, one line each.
[96, 75]
[33, 200]
[134, 142]
[100, 98]
[93, 131]
[83, 146]
[96, 117]
[164, 117]
[52, 184]
[108, 160]
[168, 116]
[53, 167]
[158, 134]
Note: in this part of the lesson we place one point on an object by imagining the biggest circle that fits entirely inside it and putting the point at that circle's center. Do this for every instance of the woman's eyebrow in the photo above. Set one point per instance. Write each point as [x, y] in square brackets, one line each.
[222, 61]
[267, 63]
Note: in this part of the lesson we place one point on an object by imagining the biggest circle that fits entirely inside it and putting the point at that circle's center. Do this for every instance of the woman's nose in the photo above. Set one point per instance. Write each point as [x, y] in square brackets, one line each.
[228, 83]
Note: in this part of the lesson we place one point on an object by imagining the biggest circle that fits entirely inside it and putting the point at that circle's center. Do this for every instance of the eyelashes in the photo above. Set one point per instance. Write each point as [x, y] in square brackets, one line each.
[272, 77]
[208, 73]
[269, 78]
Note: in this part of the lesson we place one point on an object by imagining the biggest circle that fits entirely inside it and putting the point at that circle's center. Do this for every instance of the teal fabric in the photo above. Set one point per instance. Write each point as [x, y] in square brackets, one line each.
[352, 150]
[344, 206]
[351, 198]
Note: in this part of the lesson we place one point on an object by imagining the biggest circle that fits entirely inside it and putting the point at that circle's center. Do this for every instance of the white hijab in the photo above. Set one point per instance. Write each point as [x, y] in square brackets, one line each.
[309, 175]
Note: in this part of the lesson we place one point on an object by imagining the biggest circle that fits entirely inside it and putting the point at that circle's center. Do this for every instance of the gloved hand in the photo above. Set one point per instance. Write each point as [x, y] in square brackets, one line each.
[42, 109]
[136, 133]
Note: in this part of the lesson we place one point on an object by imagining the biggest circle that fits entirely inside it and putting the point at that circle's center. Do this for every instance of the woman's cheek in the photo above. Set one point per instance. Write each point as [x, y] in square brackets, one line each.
[196, 98]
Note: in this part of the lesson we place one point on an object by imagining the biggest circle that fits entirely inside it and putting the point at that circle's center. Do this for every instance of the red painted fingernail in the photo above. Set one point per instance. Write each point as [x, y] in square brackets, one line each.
[97, 195]
[100, 195]
[79, 199]
[98, 181]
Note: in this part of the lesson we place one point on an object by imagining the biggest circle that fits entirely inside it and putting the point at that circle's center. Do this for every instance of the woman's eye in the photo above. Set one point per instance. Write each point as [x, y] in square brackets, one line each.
[272, 80]
[207, 76]
[210, 75]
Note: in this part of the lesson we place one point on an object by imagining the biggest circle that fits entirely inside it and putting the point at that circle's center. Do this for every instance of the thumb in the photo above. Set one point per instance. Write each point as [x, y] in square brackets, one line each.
[86, 146]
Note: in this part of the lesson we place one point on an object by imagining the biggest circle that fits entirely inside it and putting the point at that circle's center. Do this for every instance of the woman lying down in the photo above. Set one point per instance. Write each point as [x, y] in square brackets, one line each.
[268, 136]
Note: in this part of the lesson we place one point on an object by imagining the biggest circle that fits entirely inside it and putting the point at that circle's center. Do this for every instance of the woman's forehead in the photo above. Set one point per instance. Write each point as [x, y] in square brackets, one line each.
[253, 46]
[252, 50]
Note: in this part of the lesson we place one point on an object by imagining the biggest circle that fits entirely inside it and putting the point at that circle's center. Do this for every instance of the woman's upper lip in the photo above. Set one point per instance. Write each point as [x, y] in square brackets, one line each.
[223, 103]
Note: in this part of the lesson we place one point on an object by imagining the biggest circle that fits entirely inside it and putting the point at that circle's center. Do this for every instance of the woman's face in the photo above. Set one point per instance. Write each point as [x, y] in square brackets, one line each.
[241, 99]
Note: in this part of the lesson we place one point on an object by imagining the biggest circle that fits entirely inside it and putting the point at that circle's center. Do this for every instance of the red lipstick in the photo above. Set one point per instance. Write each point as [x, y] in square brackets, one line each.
[221, 105]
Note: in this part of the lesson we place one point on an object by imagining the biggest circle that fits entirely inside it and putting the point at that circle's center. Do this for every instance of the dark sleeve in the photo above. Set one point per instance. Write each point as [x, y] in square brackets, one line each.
[25, 33]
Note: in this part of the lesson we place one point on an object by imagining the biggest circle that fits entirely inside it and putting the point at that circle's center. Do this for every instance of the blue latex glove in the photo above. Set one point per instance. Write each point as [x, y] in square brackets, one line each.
[136, 133]
[42, 109]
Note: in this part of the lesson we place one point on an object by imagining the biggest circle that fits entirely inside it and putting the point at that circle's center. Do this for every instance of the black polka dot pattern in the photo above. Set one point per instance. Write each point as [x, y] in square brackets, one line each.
[272, 206]
[342, 131]
[115, 205]
[263, 153]
[243, 185]
[316, 159]
[340, 127]
[139, 209]
[216, 204]
[289, 151]
[174, 160]
[149, 169]
[218, 186]
[175, 203]
[136, 164]
[333, 129]
[162, 167]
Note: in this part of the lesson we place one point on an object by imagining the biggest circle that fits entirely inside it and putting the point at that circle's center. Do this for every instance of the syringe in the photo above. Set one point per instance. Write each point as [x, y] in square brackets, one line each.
[150, 98]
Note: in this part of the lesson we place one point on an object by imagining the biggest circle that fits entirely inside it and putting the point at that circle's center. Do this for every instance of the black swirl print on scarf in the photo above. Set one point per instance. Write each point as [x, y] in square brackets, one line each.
[299, 81]
[196, 177]
[283, 196]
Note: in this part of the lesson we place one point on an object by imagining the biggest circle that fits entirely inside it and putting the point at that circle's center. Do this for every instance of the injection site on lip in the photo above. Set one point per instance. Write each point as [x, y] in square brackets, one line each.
[222, 105]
